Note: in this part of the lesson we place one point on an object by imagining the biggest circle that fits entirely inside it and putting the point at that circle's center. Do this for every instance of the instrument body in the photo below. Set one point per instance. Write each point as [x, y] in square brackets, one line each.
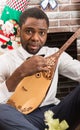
[32, 90]
[29, 92]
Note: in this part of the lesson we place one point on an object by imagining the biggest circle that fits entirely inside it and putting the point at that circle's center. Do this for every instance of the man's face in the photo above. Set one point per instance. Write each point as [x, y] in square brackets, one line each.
[33, 34]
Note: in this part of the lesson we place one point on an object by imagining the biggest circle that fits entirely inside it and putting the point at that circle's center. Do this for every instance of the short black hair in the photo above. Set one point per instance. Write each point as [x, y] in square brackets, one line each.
[34, 12]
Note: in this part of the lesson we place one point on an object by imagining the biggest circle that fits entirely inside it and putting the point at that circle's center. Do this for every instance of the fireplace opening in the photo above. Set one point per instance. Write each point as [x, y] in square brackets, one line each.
[65, 85]
[58, 39]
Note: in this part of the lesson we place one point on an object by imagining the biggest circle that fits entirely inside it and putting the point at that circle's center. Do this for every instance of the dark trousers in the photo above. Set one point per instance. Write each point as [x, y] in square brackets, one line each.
[68, 109]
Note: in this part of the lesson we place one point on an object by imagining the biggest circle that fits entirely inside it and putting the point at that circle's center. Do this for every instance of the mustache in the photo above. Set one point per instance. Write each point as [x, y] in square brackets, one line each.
[34, 44]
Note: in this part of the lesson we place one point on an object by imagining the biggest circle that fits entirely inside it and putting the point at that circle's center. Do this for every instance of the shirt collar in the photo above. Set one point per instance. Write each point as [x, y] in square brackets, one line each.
[25, 54]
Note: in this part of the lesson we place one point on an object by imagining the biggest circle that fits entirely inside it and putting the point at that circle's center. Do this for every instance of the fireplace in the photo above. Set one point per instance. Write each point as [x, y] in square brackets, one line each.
[65, 85]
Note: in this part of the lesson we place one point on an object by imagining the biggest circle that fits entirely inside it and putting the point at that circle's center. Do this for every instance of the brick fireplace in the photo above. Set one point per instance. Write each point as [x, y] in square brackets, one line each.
[65, 17]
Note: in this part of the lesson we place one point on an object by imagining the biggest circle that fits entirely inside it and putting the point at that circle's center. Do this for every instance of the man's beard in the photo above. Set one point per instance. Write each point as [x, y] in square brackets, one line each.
[31, 51]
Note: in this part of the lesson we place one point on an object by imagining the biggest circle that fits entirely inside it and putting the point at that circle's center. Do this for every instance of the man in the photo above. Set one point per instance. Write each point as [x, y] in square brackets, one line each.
[28, 60]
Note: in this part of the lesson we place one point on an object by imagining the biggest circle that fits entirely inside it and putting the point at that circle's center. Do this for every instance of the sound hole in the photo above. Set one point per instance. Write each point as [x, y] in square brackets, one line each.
[38, 75]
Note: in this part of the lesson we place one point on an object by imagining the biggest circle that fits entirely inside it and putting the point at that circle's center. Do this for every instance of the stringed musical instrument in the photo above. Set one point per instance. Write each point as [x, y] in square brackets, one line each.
[31, 91]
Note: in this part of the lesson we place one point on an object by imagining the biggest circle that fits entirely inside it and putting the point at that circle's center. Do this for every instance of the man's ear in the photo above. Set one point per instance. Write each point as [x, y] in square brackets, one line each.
[18, 31]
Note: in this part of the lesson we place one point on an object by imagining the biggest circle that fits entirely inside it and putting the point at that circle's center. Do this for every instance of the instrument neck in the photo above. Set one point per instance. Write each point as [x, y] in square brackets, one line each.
[69, 42]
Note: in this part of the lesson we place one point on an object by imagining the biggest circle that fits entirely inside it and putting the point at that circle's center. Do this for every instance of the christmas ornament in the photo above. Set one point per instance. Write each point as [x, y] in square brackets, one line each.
[45, 3]
[8, 32]
[9, 23]
[13, 9]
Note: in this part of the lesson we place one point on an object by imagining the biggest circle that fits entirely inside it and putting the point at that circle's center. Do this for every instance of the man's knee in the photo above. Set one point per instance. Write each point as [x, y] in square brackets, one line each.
[10, 117]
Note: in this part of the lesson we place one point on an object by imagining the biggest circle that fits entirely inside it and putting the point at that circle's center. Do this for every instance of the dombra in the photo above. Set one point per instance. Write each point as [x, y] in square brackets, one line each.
[32, 90]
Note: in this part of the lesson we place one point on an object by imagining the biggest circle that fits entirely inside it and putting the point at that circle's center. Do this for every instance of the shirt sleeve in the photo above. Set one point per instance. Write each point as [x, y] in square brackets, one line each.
[69, 67]
[4, 74]
[4, 93]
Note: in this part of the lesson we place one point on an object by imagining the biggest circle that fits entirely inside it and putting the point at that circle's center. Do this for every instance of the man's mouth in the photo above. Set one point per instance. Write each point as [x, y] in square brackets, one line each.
[33, 47]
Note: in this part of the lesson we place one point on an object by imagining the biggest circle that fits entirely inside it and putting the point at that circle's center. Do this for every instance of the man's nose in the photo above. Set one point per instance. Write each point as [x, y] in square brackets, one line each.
[35, 37]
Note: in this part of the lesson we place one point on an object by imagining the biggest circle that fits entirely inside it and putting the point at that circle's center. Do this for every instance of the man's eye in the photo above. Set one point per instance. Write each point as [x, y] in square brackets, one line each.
[28, 32]
[42, 33]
